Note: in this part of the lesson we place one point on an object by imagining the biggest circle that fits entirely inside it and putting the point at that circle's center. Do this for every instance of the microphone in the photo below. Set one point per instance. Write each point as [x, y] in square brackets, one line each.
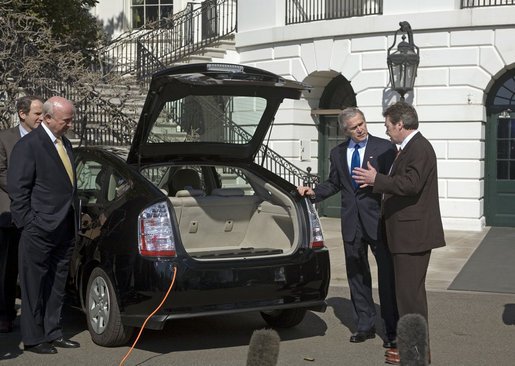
[412, 340]
[263, 348]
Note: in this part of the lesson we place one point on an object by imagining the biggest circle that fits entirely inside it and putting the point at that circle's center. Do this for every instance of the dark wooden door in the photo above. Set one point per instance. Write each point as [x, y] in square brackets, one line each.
[500, 153]
[500, 170]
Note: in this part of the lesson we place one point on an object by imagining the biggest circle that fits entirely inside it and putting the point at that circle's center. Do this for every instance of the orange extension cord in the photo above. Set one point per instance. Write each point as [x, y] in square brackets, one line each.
[150, 316]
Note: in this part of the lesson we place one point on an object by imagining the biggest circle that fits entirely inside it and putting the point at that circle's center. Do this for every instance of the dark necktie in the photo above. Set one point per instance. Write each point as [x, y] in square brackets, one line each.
[396, 156]
[398, 153]
[355, 163]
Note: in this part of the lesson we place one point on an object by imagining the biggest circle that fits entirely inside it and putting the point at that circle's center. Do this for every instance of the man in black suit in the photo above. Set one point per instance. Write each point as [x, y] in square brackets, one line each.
[30, 114]
[44, 204]
[361, 224]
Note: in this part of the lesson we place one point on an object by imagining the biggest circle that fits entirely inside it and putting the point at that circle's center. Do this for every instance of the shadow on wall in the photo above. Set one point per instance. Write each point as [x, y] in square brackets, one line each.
[390, 96]
[115, 25]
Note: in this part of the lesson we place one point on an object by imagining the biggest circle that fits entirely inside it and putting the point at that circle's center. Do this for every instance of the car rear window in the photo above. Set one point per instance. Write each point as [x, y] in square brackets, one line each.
[208, 118]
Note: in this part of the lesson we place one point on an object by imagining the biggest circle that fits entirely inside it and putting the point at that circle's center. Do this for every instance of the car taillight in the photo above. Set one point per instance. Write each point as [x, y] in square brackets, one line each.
[155, 231]
[317, 237]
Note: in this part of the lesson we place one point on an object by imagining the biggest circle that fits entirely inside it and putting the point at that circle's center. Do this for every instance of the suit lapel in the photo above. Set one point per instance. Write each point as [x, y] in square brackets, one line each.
[346, 173]
[404, 153]
[49, 146]
[370, 152]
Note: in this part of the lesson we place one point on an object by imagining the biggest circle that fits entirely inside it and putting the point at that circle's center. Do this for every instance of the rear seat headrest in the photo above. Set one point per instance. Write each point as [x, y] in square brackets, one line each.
[189, 193]
[227, 192]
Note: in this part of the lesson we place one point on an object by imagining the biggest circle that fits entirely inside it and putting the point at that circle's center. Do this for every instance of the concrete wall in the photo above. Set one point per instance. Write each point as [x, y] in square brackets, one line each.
[462, 52]
[113, 15]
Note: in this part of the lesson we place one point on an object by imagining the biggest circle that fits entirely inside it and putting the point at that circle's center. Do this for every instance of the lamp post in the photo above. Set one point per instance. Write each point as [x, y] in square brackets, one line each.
[403, 63]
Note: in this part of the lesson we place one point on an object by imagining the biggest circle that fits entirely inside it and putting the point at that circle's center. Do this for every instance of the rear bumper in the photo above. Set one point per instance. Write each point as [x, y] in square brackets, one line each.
[208, 288]
[157, 322]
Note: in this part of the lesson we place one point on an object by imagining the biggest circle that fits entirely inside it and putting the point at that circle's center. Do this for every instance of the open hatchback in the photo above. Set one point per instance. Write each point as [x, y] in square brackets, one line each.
[193, 196]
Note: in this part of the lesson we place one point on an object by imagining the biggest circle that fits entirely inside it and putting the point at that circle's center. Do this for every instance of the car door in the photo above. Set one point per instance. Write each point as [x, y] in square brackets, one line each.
[100, 188]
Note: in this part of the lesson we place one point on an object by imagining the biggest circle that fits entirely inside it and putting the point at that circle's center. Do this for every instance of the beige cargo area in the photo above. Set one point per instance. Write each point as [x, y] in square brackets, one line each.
[227, 221]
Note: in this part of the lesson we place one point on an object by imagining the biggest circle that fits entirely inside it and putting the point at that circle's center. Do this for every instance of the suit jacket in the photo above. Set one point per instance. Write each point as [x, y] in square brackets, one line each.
[362, 202]
[40, 189]
[8, 138]
[411, 207]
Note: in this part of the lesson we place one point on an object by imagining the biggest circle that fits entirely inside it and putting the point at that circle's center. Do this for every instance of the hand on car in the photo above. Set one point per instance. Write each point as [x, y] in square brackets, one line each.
[305, 191]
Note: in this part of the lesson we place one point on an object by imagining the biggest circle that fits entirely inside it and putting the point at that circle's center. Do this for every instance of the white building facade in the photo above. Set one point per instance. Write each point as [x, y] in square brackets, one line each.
[463, 92]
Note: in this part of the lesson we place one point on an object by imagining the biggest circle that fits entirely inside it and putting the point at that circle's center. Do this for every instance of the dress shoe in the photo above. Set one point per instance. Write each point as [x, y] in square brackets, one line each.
[391, 352]
[362, 336]
[65, 343]
[6, 326]
[42, 348]
[394, 359]
[389, 344]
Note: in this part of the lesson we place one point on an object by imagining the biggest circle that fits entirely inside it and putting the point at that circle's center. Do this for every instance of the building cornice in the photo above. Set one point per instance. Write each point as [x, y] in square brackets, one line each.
[492, 17]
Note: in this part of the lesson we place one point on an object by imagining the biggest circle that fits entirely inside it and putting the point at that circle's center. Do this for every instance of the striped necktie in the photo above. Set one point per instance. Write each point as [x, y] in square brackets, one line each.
[65, 158]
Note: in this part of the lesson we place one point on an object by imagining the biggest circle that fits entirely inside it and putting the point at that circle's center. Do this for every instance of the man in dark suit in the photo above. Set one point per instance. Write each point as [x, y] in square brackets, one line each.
[29, 112]
[411, 209]
[361, 224]
[44, 204]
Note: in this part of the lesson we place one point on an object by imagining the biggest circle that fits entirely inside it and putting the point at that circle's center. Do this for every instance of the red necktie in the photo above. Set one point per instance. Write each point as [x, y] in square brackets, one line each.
[398, 153]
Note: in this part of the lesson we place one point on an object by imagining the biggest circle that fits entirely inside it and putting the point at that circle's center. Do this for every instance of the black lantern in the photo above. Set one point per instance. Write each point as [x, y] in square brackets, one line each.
[403, 63]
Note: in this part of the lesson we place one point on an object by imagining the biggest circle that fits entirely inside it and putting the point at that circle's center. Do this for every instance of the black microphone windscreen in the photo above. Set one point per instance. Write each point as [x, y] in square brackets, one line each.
[412, 340]
[263, 348]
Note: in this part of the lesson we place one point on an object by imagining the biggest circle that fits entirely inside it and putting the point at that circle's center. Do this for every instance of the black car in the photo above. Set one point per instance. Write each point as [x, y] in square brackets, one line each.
[189, 199]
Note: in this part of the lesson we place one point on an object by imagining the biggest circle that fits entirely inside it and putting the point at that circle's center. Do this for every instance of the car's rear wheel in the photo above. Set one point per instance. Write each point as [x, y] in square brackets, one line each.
[104, 321]
[286, 318]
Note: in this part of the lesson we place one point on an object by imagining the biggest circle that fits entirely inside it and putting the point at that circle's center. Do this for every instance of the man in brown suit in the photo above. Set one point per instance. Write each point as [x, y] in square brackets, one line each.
[410, 207]
[30, 114]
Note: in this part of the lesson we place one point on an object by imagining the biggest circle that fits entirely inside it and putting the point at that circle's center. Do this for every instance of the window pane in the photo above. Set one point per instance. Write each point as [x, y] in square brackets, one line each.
[203, 118]
[503, 147]
[512, 170]
[151, 13]
[512, 149]
[152, 2]
[503, 130]
[137, 17]
[137, 2]
[166, 11]
[512, 128]
[241, 182]
[502, 170]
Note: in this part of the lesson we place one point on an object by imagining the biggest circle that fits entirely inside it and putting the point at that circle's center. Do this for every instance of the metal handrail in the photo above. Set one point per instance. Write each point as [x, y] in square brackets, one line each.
[170, 40]
[110, 125]
[484, 3]
[302, 11]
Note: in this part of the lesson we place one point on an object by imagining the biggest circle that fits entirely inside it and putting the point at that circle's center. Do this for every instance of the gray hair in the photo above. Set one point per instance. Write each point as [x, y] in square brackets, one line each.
[348, 113]
[48, 106]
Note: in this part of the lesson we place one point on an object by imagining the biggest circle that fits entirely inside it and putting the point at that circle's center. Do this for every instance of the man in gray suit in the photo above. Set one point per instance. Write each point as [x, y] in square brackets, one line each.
[361, 224]
[29, 112]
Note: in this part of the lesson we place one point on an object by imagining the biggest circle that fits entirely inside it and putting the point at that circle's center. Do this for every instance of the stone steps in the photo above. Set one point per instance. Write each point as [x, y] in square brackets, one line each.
[130, 91]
